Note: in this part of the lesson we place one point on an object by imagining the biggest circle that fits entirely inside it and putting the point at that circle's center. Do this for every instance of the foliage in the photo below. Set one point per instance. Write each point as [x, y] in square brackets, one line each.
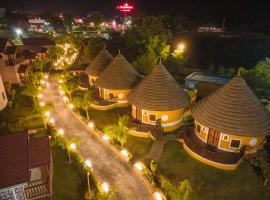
[153, 166]
[145, 62]
[10, 91]
[96, 17]
[92, 48]
[67, 20]
[31, 91]
[84, 102]
[262, 160]
[180, 192]
[118, 132]
[180, 24]
[70, 85]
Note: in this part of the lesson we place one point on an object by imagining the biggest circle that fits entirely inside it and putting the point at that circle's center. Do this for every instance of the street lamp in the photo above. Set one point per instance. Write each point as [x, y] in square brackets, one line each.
[91, 124]
[158, 196]
[72, 147]
[88, 163]
[105, 137]
[138, 166]
[42, 104]
[181, 47]
[18, 31]
[61, 131]
[47, 113]
[71, 106]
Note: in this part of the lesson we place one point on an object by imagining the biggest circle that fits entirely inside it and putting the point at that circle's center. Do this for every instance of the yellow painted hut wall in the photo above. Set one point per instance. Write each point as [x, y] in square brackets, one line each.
[118, 95]
[91, 79]
[246, 142]
[170, 120]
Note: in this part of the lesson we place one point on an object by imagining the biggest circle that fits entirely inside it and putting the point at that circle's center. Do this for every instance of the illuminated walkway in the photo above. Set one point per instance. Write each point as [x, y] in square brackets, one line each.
[107, 164]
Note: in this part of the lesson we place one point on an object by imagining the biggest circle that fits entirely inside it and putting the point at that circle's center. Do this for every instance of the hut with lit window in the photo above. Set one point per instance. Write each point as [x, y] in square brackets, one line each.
[229, 123]
[157, 101]
[116, 81]
[102, 60]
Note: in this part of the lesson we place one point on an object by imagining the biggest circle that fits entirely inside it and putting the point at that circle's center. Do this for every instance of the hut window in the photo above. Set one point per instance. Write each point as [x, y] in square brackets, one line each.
[152, 117]
[235, 144]
[253, 142]
[226, 137]
[198, 128]
[121, 96]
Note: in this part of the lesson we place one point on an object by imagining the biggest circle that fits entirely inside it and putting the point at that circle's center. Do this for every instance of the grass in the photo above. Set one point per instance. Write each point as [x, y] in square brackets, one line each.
[210, 183]
[69, 181]
[138, 147]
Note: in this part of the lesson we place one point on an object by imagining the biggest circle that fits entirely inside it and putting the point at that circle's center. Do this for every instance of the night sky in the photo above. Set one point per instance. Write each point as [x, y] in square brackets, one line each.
[235, 11]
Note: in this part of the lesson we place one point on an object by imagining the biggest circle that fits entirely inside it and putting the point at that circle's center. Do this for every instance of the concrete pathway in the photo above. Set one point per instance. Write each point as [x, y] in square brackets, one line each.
[107, 165]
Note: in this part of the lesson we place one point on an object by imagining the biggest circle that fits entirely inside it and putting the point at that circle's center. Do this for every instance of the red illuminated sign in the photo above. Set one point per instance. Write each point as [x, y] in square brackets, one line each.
[125, 7]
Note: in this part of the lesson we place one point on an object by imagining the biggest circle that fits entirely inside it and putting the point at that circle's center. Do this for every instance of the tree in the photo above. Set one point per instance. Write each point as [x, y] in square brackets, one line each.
[262, 161]
[70, 85]
[84, 102]
[119, 131]
[180, 192]
[145, 62]
[92, 48]
[10, 91]
[31, 91]
[67, 20]
[96, 17]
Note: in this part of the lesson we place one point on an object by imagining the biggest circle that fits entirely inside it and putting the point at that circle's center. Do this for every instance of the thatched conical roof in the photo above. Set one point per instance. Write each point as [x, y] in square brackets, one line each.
[103, 59]
[119, 75]
[233, 109]
[159, 91]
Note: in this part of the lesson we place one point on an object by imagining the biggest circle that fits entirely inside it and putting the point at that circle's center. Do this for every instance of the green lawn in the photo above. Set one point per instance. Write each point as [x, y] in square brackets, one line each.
[138, 147]
[209, 183]
[69, 181]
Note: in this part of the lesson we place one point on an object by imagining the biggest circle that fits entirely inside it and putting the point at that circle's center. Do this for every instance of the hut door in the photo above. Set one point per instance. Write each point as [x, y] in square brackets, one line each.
[138, 113]
[213, 137]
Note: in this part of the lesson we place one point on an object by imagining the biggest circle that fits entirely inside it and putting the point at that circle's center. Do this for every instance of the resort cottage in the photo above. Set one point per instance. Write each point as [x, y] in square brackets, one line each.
[25, 167]
[229, 123]
[103, 59]
[157, 101]
[116, 81]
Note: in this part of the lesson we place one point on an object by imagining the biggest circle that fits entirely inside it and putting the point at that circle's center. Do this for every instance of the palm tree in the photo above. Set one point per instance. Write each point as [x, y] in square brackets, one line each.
[119, 131]
[70, 86]
[180, 192]
[84, 102]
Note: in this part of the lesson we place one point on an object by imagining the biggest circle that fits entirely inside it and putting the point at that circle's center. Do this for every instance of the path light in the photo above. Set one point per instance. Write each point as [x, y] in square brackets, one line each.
[72, 146]
[124, 152]
[88, 163]
[65, 99]
[47, 113]
[61, 131]
[52, 121]
[181, 47]
[47, 84]
[105, 187]
[71, 106]
[40, 96]
[60, 81]
[62, 92]
[42, 82]
[138, 166]
[39, 88]
[91, 124]
[42, 104]
[158, 196]
[46, 76]
[60, 87]
[105, 137]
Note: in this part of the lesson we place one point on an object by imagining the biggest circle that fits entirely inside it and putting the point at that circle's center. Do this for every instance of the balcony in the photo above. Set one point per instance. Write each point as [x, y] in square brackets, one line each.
[208, 152]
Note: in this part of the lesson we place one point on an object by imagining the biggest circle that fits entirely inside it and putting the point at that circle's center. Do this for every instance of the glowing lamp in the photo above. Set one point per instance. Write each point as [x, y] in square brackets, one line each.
[88, 163]
[138, 166]
[105, 187]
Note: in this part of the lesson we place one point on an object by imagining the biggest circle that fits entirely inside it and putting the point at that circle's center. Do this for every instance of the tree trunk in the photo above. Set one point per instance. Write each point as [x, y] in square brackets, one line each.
[87, 114]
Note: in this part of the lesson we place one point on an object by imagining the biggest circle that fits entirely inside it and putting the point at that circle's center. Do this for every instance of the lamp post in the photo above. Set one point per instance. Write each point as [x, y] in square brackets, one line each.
[18, 32]
[89, 166]
[73, 147]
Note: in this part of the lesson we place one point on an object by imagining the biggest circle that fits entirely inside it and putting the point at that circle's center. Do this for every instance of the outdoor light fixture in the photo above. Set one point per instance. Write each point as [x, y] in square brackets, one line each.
[42, 104]
[61, 131]
[40, 96]
[71, 106]
[91, 124]
[105, 187]
[138, 166]
[52, 121]
[88, 163]
[181, 47]
[47, 113]
[42, 82]
[124, 152]
[72, 146]
[46, 76]
[18, 31]
[105, 137]
[60, 87]
[60, 81]
[65, 99]
[158, 196]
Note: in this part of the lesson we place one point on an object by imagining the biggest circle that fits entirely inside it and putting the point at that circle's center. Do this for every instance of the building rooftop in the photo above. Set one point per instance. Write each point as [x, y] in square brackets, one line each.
[159, 91]
[102, 60]
[18, 155]
[233, 109]
[119, 75]
[204, 77]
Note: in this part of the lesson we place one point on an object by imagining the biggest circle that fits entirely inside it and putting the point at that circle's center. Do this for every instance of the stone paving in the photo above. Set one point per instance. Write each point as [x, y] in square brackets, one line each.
[107, 165]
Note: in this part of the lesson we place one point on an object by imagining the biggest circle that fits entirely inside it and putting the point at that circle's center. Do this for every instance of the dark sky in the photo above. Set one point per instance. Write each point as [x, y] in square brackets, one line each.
[242, 11]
